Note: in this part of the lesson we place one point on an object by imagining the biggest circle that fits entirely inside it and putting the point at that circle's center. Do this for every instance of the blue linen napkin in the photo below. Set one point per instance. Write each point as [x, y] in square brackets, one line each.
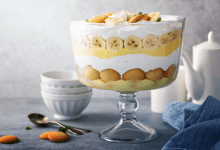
[200, 129]
[173, 113]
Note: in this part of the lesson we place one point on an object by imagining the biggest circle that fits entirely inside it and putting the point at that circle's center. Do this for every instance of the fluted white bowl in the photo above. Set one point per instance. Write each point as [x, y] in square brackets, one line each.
[64, 91]
[66, 107]
[60, 79]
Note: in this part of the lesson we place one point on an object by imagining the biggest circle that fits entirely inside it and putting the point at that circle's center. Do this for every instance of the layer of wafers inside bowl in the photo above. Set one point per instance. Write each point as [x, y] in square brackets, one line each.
[127, 51]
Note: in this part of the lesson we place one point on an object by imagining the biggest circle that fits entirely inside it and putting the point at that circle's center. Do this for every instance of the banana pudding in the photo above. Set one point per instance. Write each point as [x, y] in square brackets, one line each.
[125, 51]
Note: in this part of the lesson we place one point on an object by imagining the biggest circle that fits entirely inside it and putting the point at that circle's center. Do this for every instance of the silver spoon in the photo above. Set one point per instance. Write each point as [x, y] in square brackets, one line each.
[41, 120]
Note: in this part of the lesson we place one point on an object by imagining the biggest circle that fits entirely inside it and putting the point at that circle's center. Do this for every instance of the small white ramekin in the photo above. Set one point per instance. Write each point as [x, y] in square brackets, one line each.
[64, 91]
[66, 107]
[60, 79]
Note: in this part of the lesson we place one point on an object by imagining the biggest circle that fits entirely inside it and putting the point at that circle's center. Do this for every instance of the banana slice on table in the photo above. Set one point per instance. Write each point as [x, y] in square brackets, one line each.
[164, 40]
[174, 34]
[150, 42]
[84, 41]
[133, 43]
[98, 42]
[154, 16]
[114, 43]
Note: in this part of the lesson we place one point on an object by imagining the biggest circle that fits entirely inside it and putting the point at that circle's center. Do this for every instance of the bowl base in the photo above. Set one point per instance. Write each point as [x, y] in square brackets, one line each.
[59, 117]
[128, 131]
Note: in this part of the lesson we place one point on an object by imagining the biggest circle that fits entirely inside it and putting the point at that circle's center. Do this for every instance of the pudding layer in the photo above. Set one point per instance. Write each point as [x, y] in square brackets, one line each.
[106, 54]
[129, 85]
[121, 64]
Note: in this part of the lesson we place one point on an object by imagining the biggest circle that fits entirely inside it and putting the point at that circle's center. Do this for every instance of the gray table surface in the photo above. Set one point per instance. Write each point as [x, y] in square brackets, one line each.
[100, 114]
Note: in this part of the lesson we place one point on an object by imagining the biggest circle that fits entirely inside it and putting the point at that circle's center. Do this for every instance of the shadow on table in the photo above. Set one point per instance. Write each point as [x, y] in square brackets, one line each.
[98, 118]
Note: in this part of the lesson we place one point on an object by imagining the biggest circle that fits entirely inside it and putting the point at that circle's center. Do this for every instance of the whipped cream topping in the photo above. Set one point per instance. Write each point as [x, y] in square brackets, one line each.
[123, 30]
[117, 15]
[117, 18]
[122, 64]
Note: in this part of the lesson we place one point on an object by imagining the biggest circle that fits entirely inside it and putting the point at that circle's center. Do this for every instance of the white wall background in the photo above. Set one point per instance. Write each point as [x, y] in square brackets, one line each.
[35, 37]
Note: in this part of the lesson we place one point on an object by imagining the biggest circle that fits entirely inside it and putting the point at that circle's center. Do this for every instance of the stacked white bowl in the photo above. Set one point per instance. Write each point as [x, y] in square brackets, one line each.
[64, 95]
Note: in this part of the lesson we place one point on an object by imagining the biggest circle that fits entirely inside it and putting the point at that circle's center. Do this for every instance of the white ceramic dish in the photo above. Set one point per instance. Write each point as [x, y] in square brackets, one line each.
[61, 79]
[66, 107]
[64, 91]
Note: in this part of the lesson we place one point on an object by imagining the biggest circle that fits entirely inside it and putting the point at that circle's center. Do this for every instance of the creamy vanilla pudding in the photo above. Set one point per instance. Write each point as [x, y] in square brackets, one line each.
[126, 51]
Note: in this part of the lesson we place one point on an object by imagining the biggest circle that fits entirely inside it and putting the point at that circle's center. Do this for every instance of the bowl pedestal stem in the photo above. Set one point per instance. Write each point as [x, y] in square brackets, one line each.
[128, 129]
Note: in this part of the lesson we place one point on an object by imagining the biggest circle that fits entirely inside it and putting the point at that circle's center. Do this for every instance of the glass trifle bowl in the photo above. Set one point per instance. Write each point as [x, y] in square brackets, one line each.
[127, 58]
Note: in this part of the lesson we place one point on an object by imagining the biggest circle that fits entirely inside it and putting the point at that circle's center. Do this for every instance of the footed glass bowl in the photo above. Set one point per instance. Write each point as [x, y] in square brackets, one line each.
[128, 57]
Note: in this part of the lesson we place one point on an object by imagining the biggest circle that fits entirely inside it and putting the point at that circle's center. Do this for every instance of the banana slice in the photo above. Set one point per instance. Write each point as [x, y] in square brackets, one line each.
[109, 14]
[84, 41]
[114, 43]
[164, 40]
[150, 42]
[174, 34]
[154, 16]
[133, 43]
[115, 20]
[130, 15]
[98, 42]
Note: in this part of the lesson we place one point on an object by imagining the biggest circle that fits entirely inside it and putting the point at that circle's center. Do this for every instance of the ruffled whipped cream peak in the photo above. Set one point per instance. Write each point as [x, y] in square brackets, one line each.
[119, 17]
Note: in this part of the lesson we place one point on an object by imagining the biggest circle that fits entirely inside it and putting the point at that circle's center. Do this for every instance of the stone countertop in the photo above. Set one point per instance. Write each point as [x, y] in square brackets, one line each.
[100, 114]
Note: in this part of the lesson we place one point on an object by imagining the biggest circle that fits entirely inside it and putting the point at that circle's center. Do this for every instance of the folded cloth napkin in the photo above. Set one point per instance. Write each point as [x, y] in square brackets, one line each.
[173, 113]
[200, 129]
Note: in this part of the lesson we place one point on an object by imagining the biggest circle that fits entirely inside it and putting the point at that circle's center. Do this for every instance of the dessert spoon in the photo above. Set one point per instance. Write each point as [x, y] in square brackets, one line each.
[43, 121]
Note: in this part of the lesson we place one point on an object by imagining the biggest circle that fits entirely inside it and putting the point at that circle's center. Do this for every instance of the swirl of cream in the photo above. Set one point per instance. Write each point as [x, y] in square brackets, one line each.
[117, 18]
